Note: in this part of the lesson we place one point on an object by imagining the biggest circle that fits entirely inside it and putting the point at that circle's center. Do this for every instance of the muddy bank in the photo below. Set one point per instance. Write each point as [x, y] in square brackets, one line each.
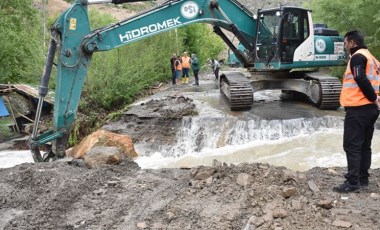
[155, 121]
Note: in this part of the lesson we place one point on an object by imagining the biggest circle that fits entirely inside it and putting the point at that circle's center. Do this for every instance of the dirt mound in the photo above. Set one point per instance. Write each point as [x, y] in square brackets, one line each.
[64, 195]
[154, 121]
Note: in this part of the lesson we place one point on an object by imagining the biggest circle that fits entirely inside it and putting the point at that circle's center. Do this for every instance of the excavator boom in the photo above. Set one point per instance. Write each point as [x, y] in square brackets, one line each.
[74, 43]
[264, 50]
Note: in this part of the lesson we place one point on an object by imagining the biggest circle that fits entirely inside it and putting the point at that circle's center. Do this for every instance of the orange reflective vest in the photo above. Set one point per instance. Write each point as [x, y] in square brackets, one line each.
[178, 65]
[351, 95]
[186, 62]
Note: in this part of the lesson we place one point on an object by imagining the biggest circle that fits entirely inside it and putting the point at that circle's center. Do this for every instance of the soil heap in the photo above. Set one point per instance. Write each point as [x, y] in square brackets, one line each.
[66, 195]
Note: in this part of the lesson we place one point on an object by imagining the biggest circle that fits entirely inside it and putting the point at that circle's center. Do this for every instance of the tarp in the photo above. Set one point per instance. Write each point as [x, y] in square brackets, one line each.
[3, 110]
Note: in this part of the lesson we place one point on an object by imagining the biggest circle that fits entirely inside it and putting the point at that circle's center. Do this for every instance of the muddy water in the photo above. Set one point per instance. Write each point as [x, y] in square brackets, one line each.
[292, 134]
[302, 152]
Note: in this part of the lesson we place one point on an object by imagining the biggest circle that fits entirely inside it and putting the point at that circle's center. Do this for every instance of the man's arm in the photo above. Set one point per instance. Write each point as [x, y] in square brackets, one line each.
[358, 65]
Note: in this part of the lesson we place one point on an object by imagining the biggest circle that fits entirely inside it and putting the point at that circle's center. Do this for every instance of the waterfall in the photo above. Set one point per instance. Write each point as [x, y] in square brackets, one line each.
[201, 133]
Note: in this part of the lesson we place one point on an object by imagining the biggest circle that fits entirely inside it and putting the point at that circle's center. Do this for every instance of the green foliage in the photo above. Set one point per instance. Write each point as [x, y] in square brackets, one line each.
[74, 134]
[114, 116]
[346, 16]
[199, 39]
[117, 77]
[5, 131]
[21, 47]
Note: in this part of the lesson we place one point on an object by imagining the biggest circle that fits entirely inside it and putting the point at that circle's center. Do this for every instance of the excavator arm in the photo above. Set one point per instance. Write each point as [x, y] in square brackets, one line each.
[74, 43]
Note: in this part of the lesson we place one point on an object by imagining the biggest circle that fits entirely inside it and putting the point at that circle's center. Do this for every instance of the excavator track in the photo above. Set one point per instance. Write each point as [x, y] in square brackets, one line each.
[325, 92]
[237, 89]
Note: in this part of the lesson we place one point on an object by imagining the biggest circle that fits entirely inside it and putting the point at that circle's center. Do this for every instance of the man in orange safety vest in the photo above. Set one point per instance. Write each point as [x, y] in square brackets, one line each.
[359, 97]
[185, 68]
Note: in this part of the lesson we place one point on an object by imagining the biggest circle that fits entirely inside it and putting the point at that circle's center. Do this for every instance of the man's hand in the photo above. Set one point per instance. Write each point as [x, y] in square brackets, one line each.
[377, 102]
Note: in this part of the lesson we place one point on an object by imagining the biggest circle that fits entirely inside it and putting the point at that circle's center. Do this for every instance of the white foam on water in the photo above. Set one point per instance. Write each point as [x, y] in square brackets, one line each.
[300, 153]
[12, 158]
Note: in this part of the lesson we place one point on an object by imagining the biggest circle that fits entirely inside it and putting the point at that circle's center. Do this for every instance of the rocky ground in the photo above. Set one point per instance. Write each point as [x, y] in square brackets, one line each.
[67, 195]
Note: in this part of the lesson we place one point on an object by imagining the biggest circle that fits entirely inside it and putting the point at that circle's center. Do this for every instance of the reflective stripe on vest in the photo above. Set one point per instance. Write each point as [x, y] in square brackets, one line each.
[351, 95]
[186, 62]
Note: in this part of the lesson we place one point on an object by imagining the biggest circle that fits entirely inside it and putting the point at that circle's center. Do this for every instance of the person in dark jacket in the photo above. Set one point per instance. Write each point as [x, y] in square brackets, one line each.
[359, 97]
[195, 68]
[172, 65]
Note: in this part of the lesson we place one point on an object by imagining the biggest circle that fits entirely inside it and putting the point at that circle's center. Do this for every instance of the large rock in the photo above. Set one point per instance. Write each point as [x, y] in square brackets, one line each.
[99, 155]
[105, 139]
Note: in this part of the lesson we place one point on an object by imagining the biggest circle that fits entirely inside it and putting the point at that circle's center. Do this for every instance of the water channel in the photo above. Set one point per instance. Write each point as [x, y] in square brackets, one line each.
[292, 134]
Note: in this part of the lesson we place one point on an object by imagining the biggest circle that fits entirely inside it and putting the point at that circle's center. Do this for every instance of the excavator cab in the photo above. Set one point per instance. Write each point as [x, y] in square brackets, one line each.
[295, 29]
[279, 33]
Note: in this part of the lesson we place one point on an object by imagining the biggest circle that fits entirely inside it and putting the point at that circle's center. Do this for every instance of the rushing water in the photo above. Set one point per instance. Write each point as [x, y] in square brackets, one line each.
[299, 144]
[301, 152]
[299, 137]
[295, 136]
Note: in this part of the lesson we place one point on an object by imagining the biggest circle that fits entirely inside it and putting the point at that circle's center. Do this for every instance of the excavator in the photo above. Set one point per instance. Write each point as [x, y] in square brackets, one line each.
[280, 48]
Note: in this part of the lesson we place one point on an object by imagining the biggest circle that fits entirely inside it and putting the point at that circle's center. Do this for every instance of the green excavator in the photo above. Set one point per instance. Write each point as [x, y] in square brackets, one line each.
[280, 46]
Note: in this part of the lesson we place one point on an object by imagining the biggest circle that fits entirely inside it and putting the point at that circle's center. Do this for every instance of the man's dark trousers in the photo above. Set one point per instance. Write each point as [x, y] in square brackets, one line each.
[358, 131]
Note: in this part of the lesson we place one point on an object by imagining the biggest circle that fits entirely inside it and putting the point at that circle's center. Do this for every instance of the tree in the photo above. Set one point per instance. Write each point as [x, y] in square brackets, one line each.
[345, 16]
[122, 74]
[21, 51]
[199, 39]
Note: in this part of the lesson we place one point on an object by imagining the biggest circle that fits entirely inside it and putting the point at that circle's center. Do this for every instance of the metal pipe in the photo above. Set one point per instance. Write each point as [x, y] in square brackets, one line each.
[38, 116]
[44, 84]
[236, 31]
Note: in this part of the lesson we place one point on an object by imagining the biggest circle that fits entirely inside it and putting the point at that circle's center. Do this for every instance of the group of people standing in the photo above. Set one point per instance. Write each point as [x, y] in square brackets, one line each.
[182, 65]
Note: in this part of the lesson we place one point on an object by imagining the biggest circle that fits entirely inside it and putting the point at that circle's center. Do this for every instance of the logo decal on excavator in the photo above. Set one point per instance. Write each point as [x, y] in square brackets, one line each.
[73, 24]
[320, 45]
[152, 28]
[189, 10]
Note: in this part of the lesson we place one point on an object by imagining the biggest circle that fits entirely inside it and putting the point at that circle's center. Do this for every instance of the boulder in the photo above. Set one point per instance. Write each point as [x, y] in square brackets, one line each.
[99, 155]
[105, 139]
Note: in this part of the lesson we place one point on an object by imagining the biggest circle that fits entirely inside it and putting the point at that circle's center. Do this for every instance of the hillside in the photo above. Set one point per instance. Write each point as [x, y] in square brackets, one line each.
[55, 7]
